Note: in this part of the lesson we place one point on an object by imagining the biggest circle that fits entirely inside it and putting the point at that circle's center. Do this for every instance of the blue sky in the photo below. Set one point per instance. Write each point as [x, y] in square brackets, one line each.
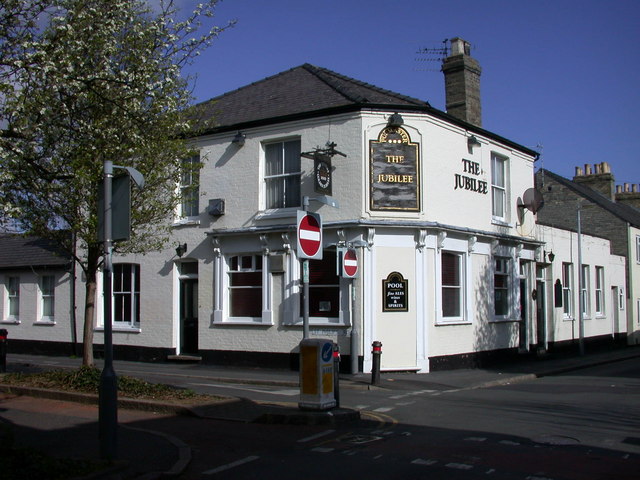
[560, 74]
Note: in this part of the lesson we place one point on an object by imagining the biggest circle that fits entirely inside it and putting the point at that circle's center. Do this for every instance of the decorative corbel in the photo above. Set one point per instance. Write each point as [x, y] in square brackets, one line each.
[441, 238]
[519, 248]
[286, 243]
[422, 240]
[472, 243]
[371, 233]
[215, 241]
[264, 240]
[342, 237]
[494, 246]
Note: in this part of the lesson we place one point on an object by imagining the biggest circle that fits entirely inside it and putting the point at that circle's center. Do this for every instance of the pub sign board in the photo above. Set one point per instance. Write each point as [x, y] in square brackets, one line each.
[322, 174]
[395, 293]
[394, 166]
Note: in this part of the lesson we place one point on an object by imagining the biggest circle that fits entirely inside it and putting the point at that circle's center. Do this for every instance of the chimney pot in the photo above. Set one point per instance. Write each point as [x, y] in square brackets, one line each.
[587, 169]
[618, 188]
[634, 188]
[626, 187]
[606, 168]
[578, 171]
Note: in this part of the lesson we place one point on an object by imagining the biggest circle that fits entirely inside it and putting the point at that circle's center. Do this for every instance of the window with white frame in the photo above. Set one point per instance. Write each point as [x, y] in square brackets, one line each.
[47, 297]
[599, 291]
[621, 300]
[324, 287]
[499, 186]
[13, 298]
[637, 248]
[245, 286]
[282, 174]
[189, 187]
[452, 283]
[126, 294]
[585, 297]
[501, 286]
[567, 285]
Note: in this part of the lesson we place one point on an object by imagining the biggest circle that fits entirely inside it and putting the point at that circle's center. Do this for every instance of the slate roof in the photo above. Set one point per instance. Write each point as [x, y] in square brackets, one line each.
[309, 91]
[620, 210]
[298, 91]
[17, 251]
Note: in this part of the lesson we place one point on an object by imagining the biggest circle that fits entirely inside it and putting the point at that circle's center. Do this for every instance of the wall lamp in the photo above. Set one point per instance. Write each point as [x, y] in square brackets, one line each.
[472, 141]
[239, 139]
[551, 256]
[395, 120]
[181, 250]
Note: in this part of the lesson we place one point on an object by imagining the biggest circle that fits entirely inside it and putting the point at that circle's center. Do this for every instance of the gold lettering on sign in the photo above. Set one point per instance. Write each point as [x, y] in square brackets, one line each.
[395, 158]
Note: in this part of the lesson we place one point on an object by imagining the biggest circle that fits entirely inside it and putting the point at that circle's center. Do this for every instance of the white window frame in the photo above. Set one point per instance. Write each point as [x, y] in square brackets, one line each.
[46, 297]
[463, 288]
[585, 294]
[135, 307]
[189, 195]
[599, 292]
[12, 299]
[282, 175]
[638, 249]
[508, 273]
[621, 298]
[499, 189]
[256, 266]
[567, 290]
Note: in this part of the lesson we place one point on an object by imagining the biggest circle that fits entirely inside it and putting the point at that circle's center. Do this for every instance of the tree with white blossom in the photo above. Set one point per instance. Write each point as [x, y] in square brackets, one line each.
[82, 81]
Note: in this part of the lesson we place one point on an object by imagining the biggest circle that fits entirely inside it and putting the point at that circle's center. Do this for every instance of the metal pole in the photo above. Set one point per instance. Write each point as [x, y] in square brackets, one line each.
[108, 391]
[580, 299]
[354, 330]
[305, 284]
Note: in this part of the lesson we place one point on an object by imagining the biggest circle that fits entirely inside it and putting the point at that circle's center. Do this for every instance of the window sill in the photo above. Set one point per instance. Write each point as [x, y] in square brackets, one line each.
[278, 213]
[11, 321]
[45, 323]
[243, 322]
[567, 319]
[500, 223]
[185, 222]
[323, 323]
[444, 323]
[505, 320]
[118, 329]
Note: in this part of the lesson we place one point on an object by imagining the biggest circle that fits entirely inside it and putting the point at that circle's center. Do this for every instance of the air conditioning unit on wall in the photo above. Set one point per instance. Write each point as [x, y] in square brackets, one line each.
[216, 207]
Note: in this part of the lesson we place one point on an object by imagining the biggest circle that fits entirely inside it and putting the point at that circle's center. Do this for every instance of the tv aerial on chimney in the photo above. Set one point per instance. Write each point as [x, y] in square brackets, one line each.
[437, 54]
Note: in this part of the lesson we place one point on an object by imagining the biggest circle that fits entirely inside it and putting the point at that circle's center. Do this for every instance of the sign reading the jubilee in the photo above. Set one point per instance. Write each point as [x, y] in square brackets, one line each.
[394, 171]
[309, 235]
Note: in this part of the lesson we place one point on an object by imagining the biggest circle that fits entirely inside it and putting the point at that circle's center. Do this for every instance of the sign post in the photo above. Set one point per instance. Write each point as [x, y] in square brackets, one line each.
[309, 228]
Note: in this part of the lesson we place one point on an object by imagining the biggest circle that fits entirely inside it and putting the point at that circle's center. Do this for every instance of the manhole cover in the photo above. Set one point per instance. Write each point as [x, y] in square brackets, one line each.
[556, 440]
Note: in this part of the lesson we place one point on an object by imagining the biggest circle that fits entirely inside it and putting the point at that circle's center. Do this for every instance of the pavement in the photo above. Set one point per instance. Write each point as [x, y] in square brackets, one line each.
[40, 418]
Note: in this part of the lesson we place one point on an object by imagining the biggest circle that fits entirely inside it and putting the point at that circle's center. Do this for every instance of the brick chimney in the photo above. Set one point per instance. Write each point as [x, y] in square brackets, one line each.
[462, 83]
[597, 177]
[629, 195]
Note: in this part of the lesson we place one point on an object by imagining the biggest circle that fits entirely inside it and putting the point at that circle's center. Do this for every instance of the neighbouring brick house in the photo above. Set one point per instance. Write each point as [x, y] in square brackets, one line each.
[605, 211]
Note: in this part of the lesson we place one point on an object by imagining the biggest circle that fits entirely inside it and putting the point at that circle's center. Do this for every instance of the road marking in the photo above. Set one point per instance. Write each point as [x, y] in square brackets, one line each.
[383, 409]
[476, 439]
[420, 461]
[459, 466]
[231, 465]
[316, 436]
[361, 407]
[508, 442]
[322, 449]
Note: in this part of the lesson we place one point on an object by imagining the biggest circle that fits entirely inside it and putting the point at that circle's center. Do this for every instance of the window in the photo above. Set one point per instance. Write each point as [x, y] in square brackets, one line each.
[189, 187]
[501, 287]
[499, 186]
[599, 291]
[47, 297]
[282, 174]
[13, 297]
[452, 285]
[638, 249]
[126, 294]
[567, 273]
[585, 298]
[621, 300]
[245, 286]
[324, 287]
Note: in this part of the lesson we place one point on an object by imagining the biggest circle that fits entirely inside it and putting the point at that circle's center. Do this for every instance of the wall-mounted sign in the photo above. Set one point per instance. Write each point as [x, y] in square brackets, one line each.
[322, 174]
[464, 181]
[394, 167]
[395, 293]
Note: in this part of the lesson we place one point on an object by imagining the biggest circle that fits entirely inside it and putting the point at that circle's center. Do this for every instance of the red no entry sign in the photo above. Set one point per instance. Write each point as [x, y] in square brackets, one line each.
[350, 263]
[309, 235]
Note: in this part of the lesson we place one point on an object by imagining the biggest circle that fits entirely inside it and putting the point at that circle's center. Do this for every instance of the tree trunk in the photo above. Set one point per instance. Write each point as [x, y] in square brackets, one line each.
[89, 315]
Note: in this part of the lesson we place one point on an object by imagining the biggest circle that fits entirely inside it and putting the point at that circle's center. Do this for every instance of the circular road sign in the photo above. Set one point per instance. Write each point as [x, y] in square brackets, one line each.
[350, 263]
[309, 236]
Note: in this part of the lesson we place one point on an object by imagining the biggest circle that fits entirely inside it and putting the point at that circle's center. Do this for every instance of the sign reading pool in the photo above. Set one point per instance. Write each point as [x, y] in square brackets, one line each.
[394, 167]
[395, 293]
